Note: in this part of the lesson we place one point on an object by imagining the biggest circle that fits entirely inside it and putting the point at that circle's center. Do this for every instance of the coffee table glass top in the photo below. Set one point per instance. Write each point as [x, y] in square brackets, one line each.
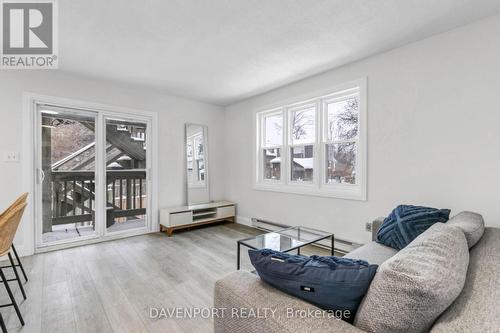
[285, 239]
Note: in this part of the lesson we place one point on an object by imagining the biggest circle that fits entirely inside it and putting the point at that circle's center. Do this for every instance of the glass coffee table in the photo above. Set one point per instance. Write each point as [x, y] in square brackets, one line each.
[285, 240]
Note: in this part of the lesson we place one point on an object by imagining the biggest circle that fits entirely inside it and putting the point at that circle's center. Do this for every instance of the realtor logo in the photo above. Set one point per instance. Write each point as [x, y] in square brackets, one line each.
[29, 39]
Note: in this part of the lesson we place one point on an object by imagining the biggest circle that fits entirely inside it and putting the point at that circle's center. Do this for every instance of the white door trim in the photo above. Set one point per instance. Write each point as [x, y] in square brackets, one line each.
[29, 172]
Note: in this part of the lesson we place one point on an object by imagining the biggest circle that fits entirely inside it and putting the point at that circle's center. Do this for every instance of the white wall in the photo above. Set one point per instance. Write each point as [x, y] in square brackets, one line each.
[433, 135]
[173, 113]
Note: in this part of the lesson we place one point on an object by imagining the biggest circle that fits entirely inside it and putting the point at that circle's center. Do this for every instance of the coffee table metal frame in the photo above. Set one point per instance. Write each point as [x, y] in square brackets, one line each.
[321, 236]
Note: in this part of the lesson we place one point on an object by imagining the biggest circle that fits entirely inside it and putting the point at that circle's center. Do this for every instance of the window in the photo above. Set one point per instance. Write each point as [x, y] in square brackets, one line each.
[342, 116]
[272, 128]
[315, 145]
[302, 139]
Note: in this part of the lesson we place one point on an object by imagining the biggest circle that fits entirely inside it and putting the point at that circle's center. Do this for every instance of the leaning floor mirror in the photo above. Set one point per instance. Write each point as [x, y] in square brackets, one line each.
[198, 190]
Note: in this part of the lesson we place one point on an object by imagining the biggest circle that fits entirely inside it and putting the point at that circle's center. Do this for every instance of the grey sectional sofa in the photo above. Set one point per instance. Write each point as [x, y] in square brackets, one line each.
[464, 282]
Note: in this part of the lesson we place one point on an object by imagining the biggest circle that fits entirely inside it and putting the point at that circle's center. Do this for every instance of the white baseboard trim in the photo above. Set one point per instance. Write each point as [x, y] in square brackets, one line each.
[21, 251]
[244, 220]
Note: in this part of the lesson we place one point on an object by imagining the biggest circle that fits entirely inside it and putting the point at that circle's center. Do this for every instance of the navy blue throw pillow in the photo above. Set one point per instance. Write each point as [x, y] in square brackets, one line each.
[406, 222]
[330, 283]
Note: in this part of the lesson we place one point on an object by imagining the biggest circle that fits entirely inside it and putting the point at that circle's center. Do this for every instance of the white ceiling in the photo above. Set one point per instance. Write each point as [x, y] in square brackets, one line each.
[222, 51]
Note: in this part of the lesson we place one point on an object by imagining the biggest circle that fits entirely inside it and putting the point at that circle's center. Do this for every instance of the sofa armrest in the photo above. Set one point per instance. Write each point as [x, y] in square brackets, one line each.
[275, 311]
[376, 224]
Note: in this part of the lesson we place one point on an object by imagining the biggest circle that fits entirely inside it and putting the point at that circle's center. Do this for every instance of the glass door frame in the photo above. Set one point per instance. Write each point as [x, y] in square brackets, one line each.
[102, 113]
[40, 176]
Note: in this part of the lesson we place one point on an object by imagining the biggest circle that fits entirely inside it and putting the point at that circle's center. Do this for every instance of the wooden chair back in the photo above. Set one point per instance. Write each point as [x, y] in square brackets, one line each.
[22, 198]
[8, 226]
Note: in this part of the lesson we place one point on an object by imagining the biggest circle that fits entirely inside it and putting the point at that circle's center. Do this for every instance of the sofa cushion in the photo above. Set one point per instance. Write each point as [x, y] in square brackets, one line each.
[372, 252]
[472, 225]
[330, 283]
[406, 222]
[476, 309]
[411, 289]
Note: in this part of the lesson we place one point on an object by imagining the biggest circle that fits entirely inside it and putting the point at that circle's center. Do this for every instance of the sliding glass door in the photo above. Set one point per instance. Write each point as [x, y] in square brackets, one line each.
[93, 172]
[67, 174]
[126, 175]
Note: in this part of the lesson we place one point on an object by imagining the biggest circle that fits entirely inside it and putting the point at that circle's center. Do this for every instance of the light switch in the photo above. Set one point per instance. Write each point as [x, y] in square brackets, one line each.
[11, 157]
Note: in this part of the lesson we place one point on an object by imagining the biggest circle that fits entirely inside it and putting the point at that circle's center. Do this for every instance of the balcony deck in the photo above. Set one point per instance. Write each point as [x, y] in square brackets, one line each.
[69, 231]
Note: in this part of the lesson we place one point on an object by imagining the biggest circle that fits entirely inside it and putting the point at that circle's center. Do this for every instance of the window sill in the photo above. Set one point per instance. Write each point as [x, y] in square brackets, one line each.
[340, 192]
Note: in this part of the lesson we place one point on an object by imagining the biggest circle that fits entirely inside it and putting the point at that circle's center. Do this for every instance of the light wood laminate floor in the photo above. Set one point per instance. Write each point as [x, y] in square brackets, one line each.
[111, 286]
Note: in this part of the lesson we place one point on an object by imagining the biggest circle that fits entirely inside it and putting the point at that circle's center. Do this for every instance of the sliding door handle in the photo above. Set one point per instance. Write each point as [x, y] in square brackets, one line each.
[41, 176]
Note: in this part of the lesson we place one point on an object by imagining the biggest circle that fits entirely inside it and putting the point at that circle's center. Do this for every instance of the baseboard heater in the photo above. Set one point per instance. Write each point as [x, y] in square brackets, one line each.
[342, 246]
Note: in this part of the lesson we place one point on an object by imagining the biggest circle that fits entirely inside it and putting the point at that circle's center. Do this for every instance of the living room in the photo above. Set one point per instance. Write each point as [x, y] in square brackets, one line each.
[167, 166]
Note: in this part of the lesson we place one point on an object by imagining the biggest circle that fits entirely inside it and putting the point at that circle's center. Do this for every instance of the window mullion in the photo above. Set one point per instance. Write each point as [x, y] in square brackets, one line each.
[261, 150]
[317, 158]
[333, 142]
[285, 153]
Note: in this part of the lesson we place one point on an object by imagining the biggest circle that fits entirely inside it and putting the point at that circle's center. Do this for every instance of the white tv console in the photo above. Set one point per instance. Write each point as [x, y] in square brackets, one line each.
[174, 218]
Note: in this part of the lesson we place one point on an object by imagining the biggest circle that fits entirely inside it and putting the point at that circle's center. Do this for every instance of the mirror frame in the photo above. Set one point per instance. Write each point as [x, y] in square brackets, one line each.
[206, 161]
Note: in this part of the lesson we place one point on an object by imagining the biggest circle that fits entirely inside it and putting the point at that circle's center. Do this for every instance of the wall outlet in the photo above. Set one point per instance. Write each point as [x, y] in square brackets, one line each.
[368, 226]
[11, 157]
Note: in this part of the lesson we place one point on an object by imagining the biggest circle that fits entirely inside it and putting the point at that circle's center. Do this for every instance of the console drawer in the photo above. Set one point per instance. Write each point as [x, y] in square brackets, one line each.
[223, 212]
[181, 218]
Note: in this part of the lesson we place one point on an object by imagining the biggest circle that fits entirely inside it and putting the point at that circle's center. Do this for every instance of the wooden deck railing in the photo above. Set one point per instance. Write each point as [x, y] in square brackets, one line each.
[74, 195]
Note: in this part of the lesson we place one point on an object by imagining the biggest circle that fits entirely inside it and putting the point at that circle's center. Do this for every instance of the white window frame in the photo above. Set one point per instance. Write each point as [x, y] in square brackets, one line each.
[319, 186]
